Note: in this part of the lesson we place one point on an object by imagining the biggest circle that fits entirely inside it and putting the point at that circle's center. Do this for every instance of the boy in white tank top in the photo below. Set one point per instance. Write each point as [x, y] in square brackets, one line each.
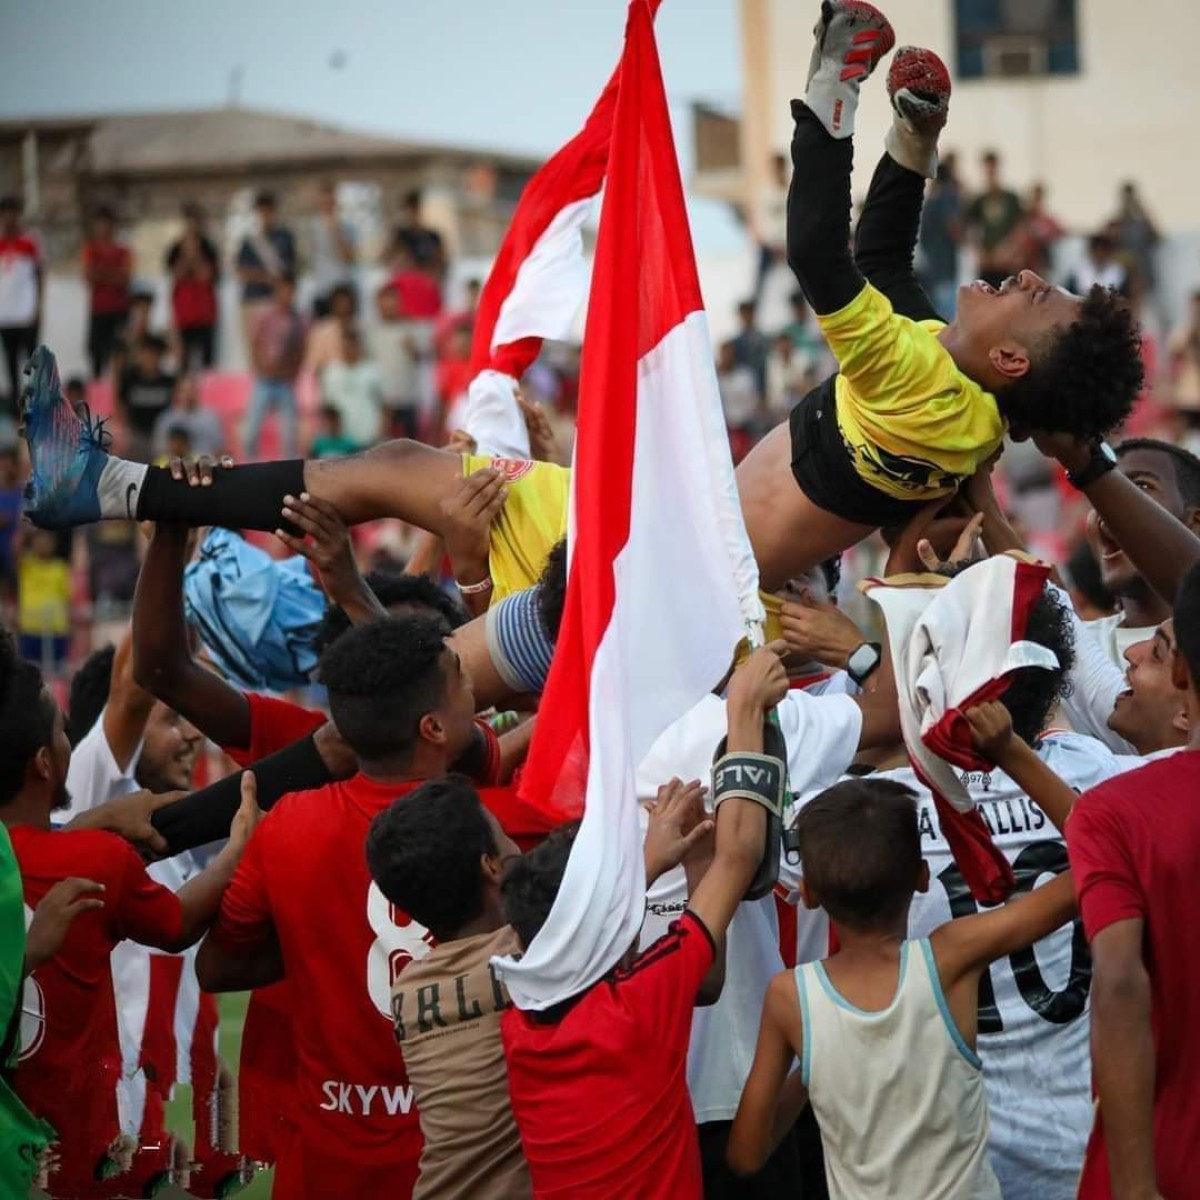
[885, 1028]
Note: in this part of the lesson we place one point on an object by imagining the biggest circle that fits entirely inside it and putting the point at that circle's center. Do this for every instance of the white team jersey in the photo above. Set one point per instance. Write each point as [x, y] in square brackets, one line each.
[1115, 637]
[1033, 1027]
[822, 738]
[94, 778]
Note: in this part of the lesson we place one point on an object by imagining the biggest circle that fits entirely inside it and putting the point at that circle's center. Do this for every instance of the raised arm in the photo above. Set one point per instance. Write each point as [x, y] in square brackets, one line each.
[1162, 548]
[162, 658]
[128, 706]
[992, 731]
[200, 898]
[756, 687]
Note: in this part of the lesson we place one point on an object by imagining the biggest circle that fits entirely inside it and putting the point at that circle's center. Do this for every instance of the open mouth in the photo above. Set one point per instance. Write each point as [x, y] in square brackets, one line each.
[986, 288]
[1110, 551]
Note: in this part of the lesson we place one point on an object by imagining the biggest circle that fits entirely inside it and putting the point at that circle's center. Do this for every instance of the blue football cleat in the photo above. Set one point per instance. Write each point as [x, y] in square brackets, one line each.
[66, 451]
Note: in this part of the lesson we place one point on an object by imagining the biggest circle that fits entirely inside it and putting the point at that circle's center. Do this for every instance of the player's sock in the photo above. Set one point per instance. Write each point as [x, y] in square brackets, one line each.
[919, 87]
[851, 37]
[249, 497]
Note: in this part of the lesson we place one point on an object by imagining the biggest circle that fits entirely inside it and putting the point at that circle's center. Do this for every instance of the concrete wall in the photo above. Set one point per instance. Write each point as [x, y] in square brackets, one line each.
[1132, 112]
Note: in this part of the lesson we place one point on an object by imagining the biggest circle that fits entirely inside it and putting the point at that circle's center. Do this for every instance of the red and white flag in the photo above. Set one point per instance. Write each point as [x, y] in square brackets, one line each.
[538, 281]
[661, 583]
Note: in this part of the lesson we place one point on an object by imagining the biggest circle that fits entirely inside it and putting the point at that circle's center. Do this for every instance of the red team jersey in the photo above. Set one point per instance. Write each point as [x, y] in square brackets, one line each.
[600, 1095]
[70, 1057]
[304, 875]
[267, 1069]
[1134, 843]
[274, 725]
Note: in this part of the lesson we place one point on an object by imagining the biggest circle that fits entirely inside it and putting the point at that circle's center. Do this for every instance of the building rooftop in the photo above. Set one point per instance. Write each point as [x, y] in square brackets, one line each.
[201, 140]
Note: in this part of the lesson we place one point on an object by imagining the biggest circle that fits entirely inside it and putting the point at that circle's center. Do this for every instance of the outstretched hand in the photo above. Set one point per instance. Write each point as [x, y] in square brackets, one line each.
[325, 541]
[247, 817]
[199, 471]
[964, 553]
[680, 829]
[991, 730]
[54, 915]
[761, 681]
[819, 632]
[467, 516]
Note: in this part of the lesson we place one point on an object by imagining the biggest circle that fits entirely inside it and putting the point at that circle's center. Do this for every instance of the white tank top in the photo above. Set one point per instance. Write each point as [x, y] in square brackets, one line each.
[897, 1093]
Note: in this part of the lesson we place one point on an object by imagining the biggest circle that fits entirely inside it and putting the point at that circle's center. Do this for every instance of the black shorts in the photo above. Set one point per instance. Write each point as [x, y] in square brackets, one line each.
[822, 466]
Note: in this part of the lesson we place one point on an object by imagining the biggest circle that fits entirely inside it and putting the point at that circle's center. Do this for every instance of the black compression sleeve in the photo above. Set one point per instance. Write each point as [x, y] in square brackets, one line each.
[818, 215]
[887, 237]
[205, 816]
[249, 497]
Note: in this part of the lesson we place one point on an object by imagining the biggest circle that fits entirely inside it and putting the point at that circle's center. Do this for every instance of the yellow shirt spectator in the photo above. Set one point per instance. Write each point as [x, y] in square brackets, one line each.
[44, 592]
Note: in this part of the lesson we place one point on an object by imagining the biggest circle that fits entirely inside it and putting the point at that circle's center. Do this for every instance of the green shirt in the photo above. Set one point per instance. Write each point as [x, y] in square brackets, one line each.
[22, 1135]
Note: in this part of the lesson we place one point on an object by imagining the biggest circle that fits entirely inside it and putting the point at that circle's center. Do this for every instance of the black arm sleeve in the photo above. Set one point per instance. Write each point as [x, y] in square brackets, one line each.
[818, 215]
[887, 236]
[205, 816]
[245, 497]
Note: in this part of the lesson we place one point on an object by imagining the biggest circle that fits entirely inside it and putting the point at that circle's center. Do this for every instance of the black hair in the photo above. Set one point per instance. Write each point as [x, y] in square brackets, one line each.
[1083, 378]
[1185, 463]
[192, 209]
[860, 850]
[552, 590]
[265, 199]
[151, 341]
[343, 290]
[141, 296]
[286, 277]
[1187, 623]
[331, 412]
[831, 569]
[76, 383]
[1033, 692]
[104, 212]
[531, 884]
[423, 851]
[26, 717]
[1084, 572]
[11, 204]
[382, 678]
[392, 590]
[89, 693]
[412, 199]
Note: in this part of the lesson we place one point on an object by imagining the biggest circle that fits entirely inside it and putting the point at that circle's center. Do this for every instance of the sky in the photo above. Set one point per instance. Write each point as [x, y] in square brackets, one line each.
[509, 74]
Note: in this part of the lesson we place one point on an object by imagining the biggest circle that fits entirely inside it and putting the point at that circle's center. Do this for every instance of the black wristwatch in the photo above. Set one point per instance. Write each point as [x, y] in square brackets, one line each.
[1102, 461]
[864, 661]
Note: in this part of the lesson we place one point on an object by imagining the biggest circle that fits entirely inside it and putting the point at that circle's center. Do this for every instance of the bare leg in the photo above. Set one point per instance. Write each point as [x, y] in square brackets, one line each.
[401, 479]
[788, 532]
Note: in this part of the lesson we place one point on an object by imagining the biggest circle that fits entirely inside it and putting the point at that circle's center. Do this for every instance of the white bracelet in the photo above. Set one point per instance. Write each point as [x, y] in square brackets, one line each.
[474, 589]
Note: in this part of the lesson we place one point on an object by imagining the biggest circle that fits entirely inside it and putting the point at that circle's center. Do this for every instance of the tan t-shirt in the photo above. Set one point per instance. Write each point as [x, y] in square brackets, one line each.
[447, 1009]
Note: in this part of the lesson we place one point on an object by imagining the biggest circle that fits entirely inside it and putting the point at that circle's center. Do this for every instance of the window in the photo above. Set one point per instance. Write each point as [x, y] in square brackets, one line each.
[1015, 39]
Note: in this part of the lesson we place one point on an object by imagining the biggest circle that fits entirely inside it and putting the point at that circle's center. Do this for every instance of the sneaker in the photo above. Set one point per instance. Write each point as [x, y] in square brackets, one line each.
[851, 39]
[66, 452]
[919, 88]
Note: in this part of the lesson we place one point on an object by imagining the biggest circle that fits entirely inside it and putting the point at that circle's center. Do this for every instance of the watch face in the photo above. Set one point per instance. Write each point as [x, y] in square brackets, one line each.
[1108, 453]
[863, 661]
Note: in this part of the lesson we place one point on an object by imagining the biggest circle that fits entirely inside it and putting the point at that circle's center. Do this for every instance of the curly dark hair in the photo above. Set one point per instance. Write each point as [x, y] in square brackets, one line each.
[531, 884]
[392, 590]
[1033, 692]
[552, 590]
[382, 678]
[424, 854]
[1082, 379]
